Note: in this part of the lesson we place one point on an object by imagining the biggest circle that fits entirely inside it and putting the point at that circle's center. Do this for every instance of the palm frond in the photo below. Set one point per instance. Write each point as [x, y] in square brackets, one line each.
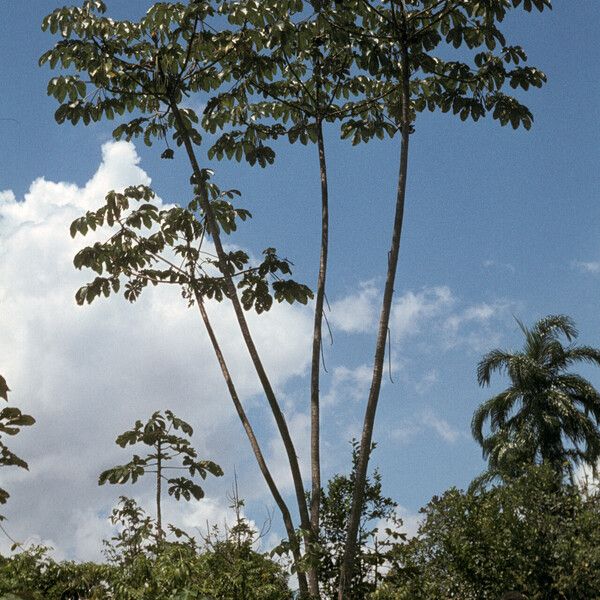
[553, 325]
[582, 353]
[495, 360]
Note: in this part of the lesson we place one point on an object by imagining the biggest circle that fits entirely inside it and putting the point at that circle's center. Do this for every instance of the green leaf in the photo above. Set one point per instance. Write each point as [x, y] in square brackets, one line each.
[4, 389]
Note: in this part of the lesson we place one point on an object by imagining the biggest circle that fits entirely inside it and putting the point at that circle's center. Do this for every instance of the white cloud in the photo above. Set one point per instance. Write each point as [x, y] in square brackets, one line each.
[412, 428]
[490, 264]
[587, 267]
[413, 309]
[429, 379]
[347, 384]
[356, 313]
[434, 317]
[446, 431]
[476, 327]
[86, 373]
[299, 426]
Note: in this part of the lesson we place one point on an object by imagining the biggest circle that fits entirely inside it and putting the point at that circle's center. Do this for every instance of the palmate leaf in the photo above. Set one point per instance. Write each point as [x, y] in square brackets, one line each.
[11, 419]
[181, 487]
[202, 467]
[179, 423]
[123, 473]
[9, 459]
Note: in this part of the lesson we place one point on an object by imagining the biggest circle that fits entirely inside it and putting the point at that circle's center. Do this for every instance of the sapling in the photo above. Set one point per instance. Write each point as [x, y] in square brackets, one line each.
[167, 452]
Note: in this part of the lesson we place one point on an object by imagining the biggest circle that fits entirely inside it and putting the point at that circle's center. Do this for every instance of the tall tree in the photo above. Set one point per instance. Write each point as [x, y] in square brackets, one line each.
[295, 78]
[400, 52]
[158, 433]
[409, 44]
[144, 70]
[547, 414]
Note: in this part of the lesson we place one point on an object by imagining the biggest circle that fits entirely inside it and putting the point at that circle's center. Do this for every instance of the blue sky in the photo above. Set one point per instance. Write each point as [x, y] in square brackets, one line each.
[498, 223]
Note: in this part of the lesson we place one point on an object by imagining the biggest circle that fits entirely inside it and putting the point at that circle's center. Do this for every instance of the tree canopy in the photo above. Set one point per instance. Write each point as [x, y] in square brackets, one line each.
[547, 414]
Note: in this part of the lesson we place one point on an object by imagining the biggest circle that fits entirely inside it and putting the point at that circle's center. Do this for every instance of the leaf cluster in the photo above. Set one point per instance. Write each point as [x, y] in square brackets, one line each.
[531, 536]
[158, 433]
[11, 422]
[152, 246]
[270, 69]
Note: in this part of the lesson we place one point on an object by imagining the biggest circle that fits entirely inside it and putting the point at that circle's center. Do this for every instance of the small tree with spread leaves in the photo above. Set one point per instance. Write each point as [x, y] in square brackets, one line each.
[165, 446]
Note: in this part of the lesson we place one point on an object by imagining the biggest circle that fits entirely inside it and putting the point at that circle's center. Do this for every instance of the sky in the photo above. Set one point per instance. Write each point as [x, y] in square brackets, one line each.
[498, 224]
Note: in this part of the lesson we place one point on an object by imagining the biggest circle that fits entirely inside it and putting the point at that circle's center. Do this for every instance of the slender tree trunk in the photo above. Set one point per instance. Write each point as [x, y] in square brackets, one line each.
[158, 490]
[384, 318]
[213, 229]
[264, 469]
[315, 425]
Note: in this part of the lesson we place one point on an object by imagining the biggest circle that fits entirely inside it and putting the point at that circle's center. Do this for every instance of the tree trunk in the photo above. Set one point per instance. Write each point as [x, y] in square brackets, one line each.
[371, 409]
[158, 490]
[315, 426]
[264, 469]
[213, 229]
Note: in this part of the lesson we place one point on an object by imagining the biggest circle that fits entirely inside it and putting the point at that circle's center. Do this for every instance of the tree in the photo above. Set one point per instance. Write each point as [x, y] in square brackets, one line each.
[400, 66]
[165, 446]
[409, 44]
[528, 537]
[167, 55]
[32, 574]
[378, 535]
[299, 69]
[547, 414]
[11, 421]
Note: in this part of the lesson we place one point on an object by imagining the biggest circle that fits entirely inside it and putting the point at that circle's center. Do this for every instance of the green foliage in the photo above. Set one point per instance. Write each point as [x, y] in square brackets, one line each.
[224, 571]
[547, 414]
[137, 535]
[458, 59]
[266, 69]
[142, 565]
[32, 575]
[233, 570]
[146, 68]
[532, 536]
[151, 246]
[378, 535]
[165, 446]
[299, 64]
[11, 421]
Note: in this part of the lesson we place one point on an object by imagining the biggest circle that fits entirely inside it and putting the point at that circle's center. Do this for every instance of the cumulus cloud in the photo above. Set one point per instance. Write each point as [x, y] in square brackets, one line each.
[435, 317]
[86, 373]
[348, 384]
[356, 313]
[413, 309]
[427, 381]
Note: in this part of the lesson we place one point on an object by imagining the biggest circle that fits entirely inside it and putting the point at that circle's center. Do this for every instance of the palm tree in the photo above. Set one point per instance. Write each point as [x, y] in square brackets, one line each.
[547, 415]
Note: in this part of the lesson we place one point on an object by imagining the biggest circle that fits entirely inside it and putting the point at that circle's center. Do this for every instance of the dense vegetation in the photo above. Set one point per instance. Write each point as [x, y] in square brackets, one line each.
[288, 68]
